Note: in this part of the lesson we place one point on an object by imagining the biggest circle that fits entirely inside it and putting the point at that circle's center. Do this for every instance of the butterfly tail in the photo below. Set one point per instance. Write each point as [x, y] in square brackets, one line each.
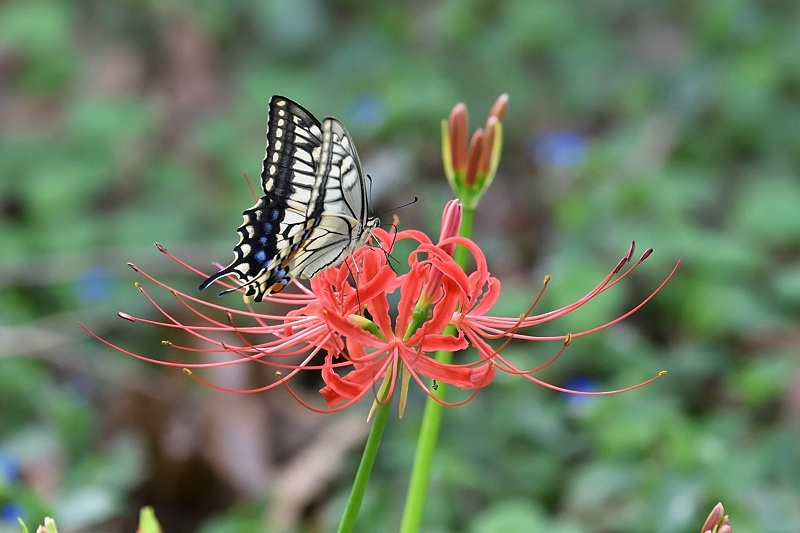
[228, 271]
[269, 282]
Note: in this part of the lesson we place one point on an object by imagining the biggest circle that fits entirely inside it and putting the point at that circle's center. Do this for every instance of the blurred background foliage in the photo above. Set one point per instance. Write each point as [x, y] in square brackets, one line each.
[675, 124]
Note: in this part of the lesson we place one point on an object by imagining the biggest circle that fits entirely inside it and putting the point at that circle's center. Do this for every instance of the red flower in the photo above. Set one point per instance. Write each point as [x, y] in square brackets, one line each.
[346, 319]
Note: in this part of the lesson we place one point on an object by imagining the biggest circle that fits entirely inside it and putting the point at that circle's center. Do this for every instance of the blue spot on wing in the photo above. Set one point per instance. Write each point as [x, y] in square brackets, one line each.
[261, 257]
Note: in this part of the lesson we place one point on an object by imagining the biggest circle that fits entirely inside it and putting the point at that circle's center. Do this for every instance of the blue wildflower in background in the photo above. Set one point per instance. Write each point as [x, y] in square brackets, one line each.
[557, 148]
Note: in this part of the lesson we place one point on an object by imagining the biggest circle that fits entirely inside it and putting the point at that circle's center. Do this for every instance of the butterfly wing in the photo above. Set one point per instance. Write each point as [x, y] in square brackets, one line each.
[294, 137]
[314, 211]
[338, 205]
[274, 226]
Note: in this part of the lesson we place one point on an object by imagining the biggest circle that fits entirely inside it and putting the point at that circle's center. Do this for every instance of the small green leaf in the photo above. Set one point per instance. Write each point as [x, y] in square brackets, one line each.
[22, 525]
[148, 522]
[50, 525]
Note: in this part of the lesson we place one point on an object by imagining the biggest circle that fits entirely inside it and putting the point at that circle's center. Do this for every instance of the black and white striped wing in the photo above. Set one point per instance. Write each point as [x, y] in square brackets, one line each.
[313, 213]
[338, 205]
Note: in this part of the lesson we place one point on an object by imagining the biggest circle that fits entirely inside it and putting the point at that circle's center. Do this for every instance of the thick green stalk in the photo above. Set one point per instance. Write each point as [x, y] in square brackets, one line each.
[365, 468]
[431, 419]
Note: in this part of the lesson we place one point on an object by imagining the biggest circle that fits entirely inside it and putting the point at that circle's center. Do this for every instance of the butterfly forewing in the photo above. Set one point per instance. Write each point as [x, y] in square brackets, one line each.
[337, 206]
[314, 211]
[344, 185]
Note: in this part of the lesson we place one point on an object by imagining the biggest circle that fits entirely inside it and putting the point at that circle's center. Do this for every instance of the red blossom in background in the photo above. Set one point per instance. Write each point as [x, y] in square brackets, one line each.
[344, 326]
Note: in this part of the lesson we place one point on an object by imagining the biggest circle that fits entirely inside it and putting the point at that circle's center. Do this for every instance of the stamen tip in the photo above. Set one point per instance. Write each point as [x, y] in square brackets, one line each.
[166, 343]
[662, 373]
[126, 316]
[134, 267]
[568, 339]
[138, 286]
[160, 248]
[629, 255]
[187, 371]
[547, 279]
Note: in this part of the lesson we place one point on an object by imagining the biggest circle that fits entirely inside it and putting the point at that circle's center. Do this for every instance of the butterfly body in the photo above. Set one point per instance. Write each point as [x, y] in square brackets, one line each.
[314, 212]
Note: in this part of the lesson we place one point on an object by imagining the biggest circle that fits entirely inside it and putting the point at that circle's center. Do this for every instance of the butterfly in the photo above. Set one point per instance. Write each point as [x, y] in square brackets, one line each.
[314, 211]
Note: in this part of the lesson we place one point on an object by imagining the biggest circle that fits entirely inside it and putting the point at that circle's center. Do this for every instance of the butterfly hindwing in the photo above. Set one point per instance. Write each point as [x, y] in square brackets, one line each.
[314, 211]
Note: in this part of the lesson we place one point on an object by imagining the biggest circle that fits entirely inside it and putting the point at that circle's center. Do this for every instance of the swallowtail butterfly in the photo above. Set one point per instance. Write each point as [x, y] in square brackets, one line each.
[314, 212]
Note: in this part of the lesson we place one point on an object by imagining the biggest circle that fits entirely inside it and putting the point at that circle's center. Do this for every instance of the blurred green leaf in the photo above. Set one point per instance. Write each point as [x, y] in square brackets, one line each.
[518, 516]
[766, 379]
[42, 32]
[148, 522]
[768, 212]
[50, 525]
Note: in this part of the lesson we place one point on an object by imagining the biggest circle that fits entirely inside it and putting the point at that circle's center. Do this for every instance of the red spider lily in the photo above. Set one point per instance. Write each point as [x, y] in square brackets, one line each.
[346, 315]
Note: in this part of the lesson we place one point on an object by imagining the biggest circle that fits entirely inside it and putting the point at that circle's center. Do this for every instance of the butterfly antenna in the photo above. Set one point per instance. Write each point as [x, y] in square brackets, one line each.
[412, 202]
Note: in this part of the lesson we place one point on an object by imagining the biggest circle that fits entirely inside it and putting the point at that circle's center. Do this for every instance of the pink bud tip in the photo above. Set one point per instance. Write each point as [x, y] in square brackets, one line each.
[500, 107]
[474, 157]
[714, 518]
[488, 146]
[451, 221]
[457, 126]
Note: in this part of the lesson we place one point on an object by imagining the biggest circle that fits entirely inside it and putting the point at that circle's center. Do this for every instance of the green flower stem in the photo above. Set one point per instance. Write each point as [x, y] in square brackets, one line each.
[431, 418]
[365, 468]
[429, 430]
